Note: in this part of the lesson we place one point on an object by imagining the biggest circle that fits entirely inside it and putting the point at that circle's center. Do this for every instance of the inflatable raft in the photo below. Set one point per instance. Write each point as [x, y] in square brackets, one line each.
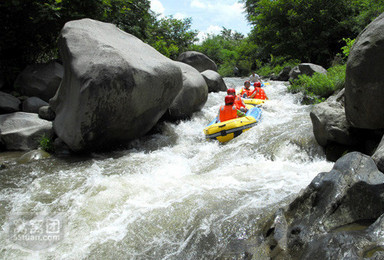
[253, 101]
[227, 130]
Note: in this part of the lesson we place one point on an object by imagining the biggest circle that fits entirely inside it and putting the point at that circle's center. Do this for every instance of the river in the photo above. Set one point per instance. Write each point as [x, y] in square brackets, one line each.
[170, 195]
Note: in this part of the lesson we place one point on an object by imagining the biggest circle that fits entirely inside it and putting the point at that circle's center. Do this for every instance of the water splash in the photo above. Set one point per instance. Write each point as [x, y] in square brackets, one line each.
[171, 195]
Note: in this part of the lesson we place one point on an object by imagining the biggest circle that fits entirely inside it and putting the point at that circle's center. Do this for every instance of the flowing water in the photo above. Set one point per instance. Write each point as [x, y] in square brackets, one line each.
[170, 195]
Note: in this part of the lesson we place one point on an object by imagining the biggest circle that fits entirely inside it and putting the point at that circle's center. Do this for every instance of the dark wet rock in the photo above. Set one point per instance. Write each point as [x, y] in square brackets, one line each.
[61, 149]
[40, 80]
[45, 112]
[214, 81]
[8, 103]
[197, 60]
[349, 197]
[364, 92]
[115, 87]
[33, 104]
[284, 74]
[23, 131]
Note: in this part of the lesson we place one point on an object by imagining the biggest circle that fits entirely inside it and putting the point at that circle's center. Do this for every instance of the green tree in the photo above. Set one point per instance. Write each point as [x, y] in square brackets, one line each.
[172, 36]
[308, 30]
[29, 28]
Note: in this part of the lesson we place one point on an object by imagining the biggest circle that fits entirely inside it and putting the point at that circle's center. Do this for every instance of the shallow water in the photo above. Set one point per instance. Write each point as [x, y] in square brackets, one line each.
[171, 195]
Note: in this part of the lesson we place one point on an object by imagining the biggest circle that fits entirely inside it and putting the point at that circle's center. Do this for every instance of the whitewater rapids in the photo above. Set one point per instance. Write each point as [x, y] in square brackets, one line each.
[170, 195]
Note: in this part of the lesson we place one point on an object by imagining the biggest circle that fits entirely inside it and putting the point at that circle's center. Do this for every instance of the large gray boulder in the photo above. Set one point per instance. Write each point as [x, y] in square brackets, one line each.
[115, 87]
[197, 60]
[193, 95]
[214, 81]
[347, 198]
[40, 80]
[364, 90]
[8, 103]
[330, 123]
[306, 69]
[23, 131]
[33, 104]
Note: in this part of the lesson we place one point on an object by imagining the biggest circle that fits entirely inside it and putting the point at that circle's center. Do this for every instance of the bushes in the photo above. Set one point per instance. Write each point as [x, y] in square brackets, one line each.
[276, 65]
[319, 87]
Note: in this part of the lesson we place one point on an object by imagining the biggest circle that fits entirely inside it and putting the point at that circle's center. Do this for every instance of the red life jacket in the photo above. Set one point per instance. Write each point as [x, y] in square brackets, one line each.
[238, 102]
[260, 93]
[227, 112]
[246, 91]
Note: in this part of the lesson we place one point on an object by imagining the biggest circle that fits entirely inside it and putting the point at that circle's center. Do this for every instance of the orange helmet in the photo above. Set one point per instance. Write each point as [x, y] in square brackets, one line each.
[230, 91]
[229, 99]
[257, 84]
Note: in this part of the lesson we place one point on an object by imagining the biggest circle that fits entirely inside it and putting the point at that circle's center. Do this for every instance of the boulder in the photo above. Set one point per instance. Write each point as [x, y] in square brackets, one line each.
[33, 104]
[378, 156]
[45, 112]
[23, 131]
[330, 124]
[364, 91]
[192, 97]
[348, 198]
[33, 155]
[214, 81]
[197, 60]
[115, 87]
[8, 103]
[40, 80]
[305, 69]
[284, 74]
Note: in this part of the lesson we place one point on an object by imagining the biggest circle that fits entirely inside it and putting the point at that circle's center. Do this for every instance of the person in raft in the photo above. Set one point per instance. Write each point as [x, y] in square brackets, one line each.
[254, 77]
[258, 92]
[239, 103]
[229, 111]
[246, 92]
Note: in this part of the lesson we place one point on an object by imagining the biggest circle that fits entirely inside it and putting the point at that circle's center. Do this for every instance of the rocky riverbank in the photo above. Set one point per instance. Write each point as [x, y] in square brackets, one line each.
[111, 89]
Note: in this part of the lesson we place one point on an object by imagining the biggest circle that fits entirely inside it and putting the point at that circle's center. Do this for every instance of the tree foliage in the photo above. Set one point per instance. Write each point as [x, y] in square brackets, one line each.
[29, 28]
[308, 30]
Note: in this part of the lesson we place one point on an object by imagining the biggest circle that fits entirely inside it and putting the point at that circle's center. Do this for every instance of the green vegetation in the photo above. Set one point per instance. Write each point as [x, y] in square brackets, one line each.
[46, 144]
[284, 33]
[29, 29]
[320, 86]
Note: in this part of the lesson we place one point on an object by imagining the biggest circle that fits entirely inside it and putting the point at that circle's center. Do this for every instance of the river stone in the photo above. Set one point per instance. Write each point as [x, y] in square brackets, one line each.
[33, 155]
[115, 87]
[284, 74]
[33, 104]
[45, 112]
[23, 131]
[197, 60]
[351, 192]
[214, 81]
[378, 156]
[193, 95]
[364, 91]
[40, 80]
[8, 103]
[330, 124]
[305, 69]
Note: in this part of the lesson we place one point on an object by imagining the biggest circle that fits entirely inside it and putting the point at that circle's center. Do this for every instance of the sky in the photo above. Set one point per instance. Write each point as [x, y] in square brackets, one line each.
[208, 16]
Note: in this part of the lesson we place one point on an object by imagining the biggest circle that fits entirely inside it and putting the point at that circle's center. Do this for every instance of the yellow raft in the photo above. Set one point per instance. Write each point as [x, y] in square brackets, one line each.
[227, 130]
[253, 101]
